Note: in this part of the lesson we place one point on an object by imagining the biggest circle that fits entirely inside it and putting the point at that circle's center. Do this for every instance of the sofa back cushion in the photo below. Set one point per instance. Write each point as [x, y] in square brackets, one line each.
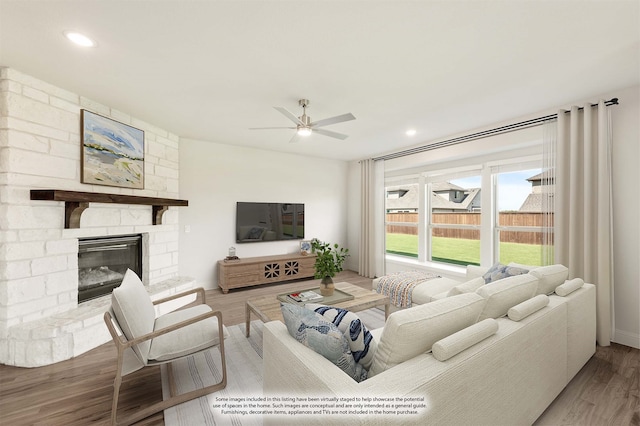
[134, 311]
[505, 293]
[549, 277]
[467, 287]
[411, 332]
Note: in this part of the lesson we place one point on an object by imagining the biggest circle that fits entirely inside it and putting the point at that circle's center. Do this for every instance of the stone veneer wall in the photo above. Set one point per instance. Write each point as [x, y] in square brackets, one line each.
[40, 149]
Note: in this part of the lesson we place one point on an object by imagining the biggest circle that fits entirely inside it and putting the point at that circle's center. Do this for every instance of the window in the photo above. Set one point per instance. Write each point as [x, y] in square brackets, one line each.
[481, 214]
[523, 227]
[455, 219]
[401, 206]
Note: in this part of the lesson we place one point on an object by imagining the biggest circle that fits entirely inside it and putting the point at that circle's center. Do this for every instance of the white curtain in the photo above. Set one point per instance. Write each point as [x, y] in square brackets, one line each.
[371, 250]
[583, 218]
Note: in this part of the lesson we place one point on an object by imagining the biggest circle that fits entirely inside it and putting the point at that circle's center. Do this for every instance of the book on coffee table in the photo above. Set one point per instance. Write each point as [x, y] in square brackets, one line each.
[306, 296]
[337, 297]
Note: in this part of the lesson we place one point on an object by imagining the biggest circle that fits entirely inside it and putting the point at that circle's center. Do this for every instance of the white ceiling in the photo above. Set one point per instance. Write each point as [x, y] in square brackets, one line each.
[209, 70]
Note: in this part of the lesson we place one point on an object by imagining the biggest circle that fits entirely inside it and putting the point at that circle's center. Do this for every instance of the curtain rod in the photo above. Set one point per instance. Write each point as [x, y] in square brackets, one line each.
[483, 134]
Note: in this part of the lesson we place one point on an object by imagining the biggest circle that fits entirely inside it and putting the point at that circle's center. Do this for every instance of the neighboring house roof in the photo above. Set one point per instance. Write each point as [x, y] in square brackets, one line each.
[445, 186]
[439, 203]
[542, 186]
[534, 202]
[544, 175]
[409, 201]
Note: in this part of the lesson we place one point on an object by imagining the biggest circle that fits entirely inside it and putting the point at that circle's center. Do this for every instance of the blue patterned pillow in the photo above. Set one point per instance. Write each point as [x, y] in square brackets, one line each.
[360, 340]
[500, 271]
[310, 329]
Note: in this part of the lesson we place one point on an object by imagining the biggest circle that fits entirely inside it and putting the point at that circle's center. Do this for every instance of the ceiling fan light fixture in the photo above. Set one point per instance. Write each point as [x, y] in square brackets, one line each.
[304, 131]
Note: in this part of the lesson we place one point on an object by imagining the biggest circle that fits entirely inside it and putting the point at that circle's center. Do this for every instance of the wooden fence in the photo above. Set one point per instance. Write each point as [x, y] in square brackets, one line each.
[506, 219]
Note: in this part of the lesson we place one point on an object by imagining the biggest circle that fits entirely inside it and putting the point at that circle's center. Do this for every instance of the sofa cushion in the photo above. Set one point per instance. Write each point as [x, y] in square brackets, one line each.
[523, 266]
[134, 311]
[528, 307]
[569, 287]
[499, 271]
[186, 340]
[313, 331]
[549, 277]
[505, 293]
[413, 331]
[360, 340]
[467, 287]
[452, 345]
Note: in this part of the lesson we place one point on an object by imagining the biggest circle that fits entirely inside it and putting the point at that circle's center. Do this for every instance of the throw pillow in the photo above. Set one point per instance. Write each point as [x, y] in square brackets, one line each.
[569, 287]
[311, 329]
[360, 340]
[134, 311]
[500, 271]
[528, 307]
[457, 342]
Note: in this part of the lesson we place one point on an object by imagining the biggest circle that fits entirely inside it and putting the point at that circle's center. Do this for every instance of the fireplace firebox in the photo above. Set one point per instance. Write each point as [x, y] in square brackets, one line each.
[103, 261]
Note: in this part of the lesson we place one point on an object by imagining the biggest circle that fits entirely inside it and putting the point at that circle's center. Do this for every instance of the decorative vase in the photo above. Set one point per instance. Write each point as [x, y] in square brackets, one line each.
[326, 286]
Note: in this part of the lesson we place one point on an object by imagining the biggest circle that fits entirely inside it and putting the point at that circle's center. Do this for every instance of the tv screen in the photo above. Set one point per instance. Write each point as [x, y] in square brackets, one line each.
[257, 222]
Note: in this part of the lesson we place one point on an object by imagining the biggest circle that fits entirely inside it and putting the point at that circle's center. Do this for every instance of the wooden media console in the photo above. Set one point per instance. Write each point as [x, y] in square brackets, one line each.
[253, 271]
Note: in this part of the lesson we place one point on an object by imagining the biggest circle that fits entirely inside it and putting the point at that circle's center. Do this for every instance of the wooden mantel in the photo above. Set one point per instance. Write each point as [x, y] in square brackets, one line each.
[76, 202]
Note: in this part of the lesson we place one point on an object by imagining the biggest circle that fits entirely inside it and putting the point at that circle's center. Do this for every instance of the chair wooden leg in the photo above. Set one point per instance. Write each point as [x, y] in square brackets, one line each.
[179, 399]
[174, 399]
[117, 382]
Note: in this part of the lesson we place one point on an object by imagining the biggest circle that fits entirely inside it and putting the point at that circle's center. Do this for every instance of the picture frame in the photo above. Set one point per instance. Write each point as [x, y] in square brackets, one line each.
[305, 247]
[112, 152]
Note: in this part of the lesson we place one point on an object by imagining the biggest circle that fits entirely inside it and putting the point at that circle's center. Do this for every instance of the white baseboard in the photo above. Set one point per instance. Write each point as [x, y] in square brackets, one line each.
[626, 338]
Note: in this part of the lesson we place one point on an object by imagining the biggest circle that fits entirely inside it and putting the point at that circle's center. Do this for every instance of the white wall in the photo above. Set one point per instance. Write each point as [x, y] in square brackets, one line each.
[626, 203]
[213, 177]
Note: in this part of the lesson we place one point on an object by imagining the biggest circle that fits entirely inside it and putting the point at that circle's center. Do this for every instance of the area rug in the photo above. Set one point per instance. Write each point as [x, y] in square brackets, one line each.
[244, 377]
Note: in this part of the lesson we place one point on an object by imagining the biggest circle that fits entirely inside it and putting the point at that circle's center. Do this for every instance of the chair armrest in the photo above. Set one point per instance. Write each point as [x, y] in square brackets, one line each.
[123, 341]
[200, 294]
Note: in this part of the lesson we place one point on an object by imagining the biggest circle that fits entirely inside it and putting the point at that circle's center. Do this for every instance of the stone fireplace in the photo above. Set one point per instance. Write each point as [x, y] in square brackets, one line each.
[41, 321]
[103, 261]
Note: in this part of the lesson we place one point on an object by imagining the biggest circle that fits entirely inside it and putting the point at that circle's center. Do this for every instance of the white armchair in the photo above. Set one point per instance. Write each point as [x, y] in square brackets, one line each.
[143, 340]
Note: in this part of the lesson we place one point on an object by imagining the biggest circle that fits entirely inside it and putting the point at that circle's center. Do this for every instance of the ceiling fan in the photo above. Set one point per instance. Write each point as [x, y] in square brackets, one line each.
[304, 126]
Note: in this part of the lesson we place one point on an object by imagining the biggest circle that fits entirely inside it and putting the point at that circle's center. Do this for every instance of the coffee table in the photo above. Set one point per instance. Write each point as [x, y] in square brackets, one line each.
[267, 308]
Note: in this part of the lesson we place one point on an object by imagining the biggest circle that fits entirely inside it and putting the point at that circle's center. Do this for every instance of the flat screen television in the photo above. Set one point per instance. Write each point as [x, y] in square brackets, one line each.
[257, 222]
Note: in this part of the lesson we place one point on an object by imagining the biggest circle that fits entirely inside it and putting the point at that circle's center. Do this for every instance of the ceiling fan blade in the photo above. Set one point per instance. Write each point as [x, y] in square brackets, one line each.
[295, 138]
[329, 133]
[269, 128]
[333, 120]
[289, 115]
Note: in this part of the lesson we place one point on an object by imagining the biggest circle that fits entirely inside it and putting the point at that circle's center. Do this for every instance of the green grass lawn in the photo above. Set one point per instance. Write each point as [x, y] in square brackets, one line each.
[462, 251]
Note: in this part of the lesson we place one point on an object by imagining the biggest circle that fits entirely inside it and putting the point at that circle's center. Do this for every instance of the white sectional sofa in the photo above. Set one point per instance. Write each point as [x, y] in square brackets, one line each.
[509, 377]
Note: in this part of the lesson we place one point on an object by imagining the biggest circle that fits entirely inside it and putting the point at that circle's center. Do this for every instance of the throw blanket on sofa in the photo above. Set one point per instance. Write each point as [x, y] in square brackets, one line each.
[399, 285]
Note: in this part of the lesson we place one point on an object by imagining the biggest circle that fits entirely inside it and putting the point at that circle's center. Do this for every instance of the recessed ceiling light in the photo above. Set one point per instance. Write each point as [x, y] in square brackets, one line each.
[79, 39]
[411, 132]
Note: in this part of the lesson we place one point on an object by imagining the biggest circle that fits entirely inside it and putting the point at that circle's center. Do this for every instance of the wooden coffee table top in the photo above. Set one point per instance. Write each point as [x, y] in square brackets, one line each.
[267, 308]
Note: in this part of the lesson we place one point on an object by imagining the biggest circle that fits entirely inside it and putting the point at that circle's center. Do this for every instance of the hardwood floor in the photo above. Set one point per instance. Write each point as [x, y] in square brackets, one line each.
[78, 391]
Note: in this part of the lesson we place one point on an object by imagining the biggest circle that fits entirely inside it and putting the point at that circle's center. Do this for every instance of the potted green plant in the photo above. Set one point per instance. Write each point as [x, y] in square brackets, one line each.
[329, 261]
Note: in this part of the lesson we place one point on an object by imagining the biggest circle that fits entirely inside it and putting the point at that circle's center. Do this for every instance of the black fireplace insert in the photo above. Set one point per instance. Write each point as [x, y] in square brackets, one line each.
[102, 262]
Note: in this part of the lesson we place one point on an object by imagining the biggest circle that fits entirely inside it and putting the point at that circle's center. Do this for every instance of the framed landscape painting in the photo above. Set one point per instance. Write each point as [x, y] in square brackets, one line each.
[112, 152]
